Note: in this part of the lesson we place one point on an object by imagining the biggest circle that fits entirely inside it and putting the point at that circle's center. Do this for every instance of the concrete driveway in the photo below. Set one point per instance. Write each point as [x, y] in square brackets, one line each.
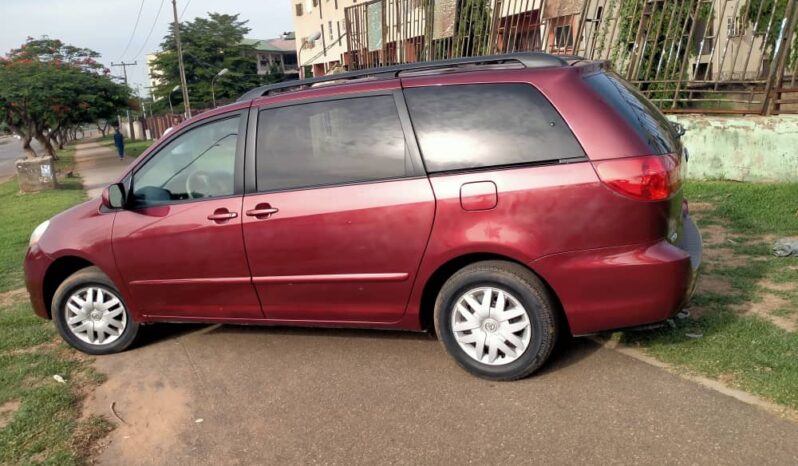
[274, 395]
[197, 394]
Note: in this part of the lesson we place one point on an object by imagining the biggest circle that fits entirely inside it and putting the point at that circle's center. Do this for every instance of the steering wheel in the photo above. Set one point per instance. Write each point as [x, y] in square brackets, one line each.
[201, 184]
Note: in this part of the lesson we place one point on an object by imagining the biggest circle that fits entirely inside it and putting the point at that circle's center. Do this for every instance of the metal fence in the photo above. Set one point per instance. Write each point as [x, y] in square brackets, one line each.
[710, 56]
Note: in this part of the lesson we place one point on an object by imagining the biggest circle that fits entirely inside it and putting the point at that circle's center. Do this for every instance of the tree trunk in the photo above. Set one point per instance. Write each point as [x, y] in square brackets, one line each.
[45, 142]
[27, 149]
[27, 137]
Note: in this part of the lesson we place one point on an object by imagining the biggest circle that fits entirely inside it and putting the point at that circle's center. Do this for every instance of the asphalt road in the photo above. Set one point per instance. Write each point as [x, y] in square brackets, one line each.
[10, 151]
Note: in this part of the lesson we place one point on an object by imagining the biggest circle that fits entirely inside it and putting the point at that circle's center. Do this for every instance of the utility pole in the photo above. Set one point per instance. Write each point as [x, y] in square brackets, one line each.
[124, 73]
[183, 84]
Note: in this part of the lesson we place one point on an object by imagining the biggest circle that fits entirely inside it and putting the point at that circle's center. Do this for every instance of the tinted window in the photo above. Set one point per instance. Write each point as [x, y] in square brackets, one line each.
[332, 142]
[481, 125]
[197, 164]
[638, 111]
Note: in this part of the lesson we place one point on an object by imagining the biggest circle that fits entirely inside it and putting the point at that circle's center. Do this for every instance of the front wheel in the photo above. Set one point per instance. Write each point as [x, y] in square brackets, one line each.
[90, 314]
[496, 319]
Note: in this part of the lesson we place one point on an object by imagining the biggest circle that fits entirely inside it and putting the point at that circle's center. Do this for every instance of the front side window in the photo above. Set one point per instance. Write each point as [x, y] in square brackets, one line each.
[198, 164]
[327, 143]
[487, 125]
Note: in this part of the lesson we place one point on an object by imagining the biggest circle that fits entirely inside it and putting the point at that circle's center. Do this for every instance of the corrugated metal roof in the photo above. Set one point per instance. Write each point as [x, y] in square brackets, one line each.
[271, 45]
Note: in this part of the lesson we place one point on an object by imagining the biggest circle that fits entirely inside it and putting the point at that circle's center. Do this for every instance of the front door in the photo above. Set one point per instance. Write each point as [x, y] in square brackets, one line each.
[341, 214]
[179, 245]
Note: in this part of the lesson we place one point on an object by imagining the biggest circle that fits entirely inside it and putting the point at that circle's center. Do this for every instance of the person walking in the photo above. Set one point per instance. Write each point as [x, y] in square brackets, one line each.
[119, 142]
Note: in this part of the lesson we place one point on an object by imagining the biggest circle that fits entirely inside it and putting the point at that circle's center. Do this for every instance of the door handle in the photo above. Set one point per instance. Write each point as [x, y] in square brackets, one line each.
[262, 211]
[221, 215]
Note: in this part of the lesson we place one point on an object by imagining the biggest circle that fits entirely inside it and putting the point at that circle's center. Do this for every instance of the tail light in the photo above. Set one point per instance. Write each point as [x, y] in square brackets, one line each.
[648, 178]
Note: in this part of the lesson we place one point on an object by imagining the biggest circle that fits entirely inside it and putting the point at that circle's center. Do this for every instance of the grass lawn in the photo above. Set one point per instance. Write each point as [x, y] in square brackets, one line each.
[39, 416]
[743, 328]
[24, 211]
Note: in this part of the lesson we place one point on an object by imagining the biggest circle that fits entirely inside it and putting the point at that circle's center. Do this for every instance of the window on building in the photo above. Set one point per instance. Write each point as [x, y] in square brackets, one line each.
[298, 9]
[330, 30]
[328, 143]
[563, 37]
[485, 125]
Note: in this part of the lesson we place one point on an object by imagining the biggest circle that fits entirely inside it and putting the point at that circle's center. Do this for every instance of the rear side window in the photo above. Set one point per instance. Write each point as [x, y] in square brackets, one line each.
[485, 125]
[638, 111]
[327, 143]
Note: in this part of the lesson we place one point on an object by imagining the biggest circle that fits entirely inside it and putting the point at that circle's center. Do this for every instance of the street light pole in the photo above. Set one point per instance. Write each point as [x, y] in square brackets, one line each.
[169, 96]
[222, 72]
[184, 86]
[308, 40]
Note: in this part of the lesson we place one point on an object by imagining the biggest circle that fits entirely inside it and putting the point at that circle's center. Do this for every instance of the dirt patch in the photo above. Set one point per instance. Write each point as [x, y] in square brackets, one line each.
[7, 411]
[148, 410]
[12, 297]
[713, 284]
[714, 235]
[727, 257]
[785, 286]
[698, 207]
[766, 308]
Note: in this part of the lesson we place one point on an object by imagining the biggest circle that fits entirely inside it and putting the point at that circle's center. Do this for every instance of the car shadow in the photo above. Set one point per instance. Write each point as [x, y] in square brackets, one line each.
[569, 350]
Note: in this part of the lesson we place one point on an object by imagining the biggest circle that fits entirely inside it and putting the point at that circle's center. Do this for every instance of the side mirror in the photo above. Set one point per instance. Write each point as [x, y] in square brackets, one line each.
[114, 196]
[678, 128]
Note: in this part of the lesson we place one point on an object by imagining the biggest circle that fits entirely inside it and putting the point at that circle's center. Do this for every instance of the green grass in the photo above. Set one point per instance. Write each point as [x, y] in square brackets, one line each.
[45, 427]
[745, 350]
[749, 208]
[22, 212]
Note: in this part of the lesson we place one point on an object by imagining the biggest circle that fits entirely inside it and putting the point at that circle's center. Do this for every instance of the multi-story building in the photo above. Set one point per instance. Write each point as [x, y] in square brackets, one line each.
[352, 34]
[320, 28]
[153, 75]
[275, 54]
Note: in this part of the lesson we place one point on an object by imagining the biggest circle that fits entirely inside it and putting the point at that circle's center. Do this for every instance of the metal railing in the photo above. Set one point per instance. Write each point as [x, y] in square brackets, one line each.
[706, 56]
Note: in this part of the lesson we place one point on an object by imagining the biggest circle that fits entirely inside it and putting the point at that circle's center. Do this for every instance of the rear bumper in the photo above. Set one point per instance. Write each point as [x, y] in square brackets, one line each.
[627, 286]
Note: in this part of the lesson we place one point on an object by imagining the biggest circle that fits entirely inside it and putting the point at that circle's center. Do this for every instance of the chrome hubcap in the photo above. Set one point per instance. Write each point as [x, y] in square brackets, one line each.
[491, 326]
[95, 315]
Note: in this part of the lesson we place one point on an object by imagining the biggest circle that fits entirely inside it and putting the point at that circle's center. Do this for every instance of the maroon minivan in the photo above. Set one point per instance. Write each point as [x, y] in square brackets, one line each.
[499, 200]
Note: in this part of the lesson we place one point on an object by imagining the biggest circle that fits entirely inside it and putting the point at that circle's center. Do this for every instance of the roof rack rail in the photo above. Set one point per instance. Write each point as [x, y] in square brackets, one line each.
[526, 59]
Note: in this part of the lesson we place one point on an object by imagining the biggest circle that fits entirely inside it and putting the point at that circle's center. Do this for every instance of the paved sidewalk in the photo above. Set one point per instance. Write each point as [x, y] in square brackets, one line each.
[198, 394]
[98, 166]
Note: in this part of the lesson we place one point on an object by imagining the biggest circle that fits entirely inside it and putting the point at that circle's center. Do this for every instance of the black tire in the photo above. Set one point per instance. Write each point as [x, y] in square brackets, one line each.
[90, 277]
[519, 283]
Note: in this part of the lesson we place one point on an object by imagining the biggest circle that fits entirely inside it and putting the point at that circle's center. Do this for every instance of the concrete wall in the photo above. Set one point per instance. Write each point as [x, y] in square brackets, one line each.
[751, 148]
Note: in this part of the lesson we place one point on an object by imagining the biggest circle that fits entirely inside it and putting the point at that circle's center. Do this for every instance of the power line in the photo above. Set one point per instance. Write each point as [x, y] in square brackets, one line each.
[184, 9]
[124, 68]
[133, 34]
[152, 28]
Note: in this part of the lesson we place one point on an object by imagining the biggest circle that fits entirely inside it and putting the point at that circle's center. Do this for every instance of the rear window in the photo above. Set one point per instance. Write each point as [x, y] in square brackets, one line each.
[486, 125]
[637, 110]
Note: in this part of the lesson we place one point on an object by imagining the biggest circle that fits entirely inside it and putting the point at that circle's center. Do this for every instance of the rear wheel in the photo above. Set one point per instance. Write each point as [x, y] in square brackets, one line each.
[90, 314]
[496, 319]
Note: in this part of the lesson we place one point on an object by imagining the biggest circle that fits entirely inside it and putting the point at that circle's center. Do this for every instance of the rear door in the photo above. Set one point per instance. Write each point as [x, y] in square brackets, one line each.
[338, 211]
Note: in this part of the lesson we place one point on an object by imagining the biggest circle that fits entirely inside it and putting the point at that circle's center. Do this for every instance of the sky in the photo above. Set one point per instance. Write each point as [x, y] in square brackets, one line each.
[107, 26]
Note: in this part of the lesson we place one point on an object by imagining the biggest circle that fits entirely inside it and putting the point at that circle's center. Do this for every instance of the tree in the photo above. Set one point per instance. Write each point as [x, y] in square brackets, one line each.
[473, 26]
[47, 88]
[209, 45]
[765, 17]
